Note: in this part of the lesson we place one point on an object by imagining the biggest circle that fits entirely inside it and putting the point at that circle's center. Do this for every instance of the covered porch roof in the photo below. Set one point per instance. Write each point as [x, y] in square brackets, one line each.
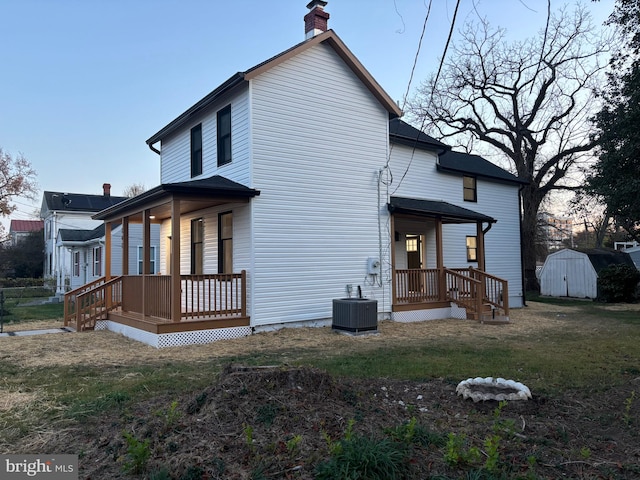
[444, 211]
[193, 195]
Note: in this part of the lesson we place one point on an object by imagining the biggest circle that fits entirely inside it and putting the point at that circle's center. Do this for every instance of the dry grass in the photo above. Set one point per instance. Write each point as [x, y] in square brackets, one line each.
[104, 348]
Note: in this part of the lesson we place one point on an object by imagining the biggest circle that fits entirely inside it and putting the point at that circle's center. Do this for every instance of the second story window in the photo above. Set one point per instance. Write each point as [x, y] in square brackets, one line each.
[196, 150]
[469, 188]
[224, 136]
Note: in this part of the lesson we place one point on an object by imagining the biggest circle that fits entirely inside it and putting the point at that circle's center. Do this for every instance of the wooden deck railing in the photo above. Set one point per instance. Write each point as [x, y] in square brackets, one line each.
[202, 296]
[469, 287]
[416, 285]
[214, 295]
[464, 290]
[91, 302]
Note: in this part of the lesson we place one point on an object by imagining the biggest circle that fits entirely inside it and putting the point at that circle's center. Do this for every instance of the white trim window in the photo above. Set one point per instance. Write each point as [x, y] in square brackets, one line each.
[97, 261]
[76, 264]
[152, 260]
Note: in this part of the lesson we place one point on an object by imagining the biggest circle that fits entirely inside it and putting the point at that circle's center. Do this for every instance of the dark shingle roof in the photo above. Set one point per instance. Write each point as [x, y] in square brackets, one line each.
[601, 258]
[403, 133]
[69, 235]
[465, 163]
[438, 209]
[79, 202]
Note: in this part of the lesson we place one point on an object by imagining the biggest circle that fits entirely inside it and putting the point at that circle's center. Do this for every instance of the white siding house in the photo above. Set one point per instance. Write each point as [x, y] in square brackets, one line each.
[279, 195]
[71, 211]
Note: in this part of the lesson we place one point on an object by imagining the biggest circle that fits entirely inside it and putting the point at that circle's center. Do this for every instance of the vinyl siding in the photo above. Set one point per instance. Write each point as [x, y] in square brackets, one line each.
[498, 200]
[319, 139]
[176, 150]
[241, 239]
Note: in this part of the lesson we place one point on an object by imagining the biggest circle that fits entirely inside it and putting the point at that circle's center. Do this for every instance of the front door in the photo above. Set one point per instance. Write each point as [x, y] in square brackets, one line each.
[414, 261]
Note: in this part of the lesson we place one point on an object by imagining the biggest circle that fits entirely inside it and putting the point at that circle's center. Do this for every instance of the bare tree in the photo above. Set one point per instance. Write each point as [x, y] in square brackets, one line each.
[134, 190]
[17, 179]
[528, 101]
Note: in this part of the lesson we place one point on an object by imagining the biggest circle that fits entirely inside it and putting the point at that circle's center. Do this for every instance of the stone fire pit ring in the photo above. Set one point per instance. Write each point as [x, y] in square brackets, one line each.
[481, 389]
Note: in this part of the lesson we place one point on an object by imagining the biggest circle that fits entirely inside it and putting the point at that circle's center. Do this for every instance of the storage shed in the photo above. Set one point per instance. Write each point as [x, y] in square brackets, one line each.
[573, 273]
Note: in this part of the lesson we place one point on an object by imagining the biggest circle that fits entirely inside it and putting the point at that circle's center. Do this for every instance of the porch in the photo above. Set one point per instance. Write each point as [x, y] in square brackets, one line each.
[144, 302]
[484, 297]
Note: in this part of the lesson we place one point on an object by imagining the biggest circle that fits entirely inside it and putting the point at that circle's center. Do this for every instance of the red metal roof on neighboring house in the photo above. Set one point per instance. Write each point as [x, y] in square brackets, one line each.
[26, 225]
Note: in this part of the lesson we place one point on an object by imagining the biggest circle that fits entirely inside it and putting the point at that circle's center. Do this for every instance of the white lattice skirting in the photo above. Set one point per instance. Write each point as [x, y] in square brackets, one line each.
[179, 339]
[430, 314]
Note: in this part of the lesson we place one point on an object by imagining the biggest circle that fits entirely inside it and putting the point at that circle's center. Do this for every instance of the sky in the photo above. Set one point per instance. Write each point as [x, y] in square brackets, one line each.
[84, 83]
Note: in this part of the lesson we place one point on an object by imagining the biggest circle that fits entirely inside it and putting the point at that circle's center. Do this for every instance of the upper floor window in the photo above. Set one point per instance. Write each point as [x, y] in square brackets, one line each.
[224, 136]
[225, 242]
[196, 150]
[197, 239]
[152, 260]
[469, 187]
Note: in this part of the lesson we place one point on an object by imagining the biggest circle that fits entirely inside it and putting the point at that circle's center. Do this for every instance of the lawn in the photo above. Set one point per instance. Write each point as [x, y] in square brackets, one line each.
[309, 403]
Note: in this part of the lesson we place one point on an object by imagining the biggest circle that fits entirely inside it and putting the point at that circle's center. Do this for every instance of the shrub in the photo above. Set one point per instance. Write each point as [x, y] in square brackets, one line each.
[618, 283]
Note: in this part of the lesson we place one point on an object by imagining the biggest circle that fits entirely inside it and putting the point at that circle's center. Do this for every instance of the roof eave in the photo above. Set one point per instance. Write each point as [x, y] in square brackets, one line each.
[197, 108]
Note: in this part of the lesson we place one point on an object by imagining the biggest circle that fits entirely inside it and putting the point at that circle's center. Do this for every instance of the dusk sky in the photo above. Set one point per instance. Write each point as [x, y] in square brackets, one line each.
[85, 82]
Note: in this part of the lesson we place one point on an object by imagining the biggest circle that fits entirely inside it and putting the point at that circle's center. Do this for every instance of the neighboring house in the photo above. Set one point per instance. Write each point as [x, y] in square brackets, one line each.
[295, 183]
[20, 229]
[71, 211]
[573, 273]
[87, 253]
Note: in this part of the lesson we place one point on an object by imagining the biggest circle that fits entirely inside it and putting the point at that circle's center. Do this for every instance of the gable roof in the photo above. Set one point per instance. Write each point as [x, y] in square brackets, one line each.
[26, 226]
[329, 38]
[78, 202]
[465, 163]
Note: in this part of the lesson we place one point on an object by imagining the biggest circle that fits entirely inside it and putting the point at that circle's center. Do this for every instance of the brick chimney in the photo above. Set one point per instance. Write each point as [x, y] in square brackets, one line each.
[315, 22]
[106, 189]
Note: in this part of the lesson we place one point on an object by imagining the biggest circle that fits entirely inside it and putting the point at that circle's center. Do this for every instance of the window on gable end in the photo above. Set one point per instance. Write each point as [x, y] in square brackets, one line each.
[469, 188]
[224, 136]
[196, 150]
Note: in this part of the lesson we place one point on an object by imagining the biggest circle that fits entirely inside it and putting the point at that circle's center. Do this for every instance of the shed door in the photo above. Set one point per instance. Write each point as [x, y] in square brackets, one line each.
[559, 284]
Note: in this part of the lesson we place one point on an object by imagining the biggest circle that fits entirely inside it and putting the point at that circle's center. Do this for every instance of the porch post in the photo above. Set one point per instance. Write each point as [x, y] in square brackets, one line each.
[442, 287]
[394, 299]
[145, 258]
[176, 294]
[125, 246]
[480, 246]
[107, 250]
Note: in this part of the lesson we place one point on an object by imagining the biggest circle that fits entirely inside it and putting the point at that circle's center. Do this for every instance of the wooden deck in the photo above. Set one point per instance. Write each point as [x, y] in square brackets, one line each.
[484, 297]
[144, 302]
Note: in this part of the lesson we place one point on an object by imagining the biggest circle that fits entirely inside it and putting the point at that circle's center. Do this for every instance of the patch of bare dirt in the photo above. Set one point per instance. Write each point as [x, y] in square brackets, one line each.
[280, 423]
